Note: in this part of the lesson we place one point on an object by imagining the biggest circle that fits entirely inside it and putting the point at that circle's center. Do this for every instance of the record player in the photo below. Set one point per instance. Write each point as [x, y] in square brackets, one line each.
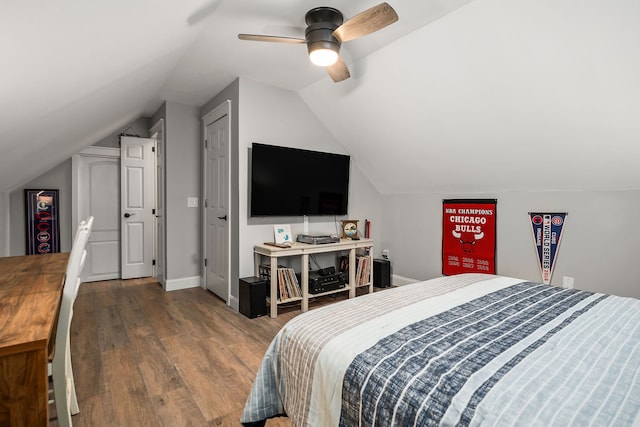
[317, 238]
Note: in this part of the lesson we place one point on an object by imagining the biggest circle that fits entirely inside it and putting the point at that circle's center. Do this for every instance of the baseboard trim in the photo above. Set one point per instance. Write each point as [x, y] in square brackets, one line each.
[234, 303]
[183, 283]
[101, 277]
[401, 281]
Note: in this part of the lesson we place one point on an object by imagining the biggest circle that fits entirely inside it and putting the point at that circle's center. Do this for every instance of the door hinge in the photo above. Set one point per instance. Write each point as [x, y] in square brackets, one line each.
[206, 203]
[153, 149]
[153, 262]
[206, 144]
[205, 262]
[153, 211]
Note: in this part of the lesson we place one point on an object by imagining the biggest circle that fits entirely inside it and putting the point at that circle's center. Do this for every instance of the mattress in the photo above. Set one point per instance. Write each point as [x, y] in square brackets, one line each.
[469, 349]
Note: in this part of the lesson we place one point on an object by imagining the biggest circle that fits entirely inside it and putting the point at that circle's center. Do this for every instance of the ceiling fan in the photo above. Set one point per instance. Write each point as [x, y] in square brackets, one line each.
[326, 31]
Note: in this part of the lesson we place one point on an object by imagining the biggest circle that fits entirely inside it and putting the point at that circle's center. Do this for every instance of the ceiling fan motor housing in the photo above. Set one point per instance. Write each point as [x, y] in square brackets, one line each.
[321, 23]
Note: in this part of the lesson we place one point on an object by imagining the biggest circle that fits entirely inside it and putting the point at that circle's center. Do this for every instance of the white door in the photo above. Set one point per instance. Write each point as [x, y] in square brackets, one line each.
[158, 136]
[216, 205]
[96, 191]
[136, 206]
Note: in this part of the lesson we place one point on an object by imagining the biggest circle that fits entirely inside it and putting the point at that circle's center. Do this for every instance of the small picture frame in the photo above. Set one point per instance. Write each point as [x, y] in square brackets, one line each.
[282, 234]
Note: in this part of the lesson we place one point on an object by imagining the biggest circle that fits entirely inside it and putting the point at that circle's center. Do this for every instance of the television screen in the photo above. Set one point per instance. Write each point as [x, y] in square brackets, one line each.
[293, 182]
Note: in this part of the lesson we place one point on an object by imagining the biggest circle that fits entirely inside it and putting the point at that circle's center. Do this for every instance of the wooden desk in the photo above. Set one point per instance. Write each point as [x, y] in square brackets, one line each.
[30, 295]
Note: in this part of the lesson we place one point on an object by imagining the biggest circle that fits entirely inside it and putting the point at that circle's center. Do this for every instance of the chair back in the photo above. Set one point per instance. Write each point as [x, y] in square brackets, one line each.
[72, 283]
[64, 322]
[77, 256]
[61, 369]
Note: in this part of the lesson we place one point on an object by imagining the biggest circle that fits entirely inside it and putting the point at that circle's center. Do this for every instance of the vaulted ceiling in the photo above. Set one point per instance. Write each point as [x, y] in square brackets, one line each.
[457, 96]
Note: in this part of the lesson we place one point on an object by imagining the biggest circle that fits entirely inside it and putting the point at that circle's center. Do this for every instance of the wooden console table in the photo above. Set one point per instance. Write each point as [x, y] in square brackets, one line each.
[304, 250]
[30, 295]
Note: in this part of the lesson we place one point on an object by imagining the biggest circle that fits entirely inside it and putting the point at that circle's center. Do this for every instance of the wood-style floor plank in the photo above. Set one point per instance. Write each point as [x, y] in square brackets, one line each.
[145, 357]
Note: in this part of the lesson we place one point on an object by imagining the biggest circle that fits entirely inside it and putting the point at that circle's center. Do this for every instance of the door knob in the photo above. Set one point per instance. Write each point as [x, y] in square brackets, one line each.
[127, 215]
[224, 218]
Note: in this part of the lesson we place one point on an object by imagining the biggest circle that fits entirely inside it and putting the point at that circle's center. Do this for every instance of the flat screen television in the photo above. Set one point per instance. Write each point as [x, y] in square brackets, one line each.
[295, 182]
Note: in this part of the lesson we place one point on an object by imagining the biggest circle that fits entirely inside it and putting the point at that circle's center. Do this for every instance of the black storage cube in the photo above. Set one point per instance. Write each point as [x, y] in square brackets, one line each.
[253, 297]
[381, 273]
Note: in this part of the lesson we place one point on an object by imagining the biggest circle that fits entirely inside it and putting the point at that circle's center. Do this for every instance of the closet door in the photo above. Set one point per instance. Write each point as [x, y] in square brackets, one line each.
[137, 206]
[96, 188]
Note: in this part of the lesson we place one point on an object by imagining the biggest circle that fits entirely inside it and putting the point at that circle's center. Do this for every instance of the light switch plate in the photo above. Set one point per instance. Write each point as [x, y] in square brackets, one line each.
[192, 202]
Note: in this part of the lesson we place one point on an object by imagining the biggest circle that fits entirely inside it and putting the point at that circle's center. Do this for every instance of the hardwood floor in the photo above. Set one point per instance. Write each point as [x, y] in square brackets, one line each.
[145, 357]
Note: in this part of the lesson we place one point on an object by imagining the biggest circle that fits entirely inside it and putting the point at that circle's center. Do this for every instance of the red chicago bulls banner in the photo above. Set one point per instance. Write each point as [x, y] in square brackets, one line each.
[468, 236]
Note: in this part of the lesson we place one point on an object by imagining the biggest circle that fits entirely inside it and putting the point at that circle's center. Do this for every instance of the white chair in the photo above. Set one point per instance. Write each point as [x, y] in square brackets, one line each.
[60, 367]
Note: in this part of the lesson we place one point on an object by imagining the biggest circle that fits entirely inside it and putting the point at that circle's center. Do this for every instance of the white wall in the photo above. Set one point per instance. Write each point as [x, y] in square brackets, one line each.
[182, 167]
[57, 178]
[499, 95]
[182, 180]
[279, 117]
[139, 127]
[599, 248]
[4, 224]
[261, 113]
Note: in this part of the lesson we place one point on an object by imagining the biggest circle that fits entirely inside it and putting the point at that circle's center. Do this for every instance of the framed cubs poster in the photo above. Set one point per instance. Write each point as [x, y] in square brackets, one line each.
[43, 224]
[468, 236]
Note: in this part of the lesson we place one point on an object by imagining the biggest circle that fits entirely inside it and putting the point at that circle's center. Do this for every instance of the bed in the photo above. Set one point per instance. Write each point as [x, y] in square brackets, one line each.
[469, 349]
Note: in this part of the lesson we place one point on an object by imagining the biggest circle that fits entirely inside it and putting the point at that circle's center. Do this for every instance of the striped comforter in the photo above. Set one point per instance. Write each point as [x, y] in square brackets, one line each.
[459, 350]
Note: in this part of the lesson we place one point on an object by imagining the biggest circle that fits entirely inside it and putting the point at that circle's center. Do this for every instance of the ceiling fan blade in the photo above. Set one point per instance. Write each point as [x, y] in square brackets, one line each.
[367, 22]
[338, 71]
[276, 39]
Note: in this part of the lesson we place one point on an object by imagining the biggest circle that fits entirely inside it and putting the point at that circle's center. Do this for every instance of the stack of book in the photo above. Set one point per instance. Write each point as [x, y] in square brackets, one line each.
[288, 285]
[344, 263]
[363, 270]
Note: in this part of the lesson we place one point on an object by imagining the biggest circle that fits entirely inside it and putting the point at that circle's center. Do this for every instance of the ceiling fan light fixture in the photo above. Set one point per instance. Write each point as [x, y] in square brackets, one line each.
[323, 57]
[323, 47]
[326, 31]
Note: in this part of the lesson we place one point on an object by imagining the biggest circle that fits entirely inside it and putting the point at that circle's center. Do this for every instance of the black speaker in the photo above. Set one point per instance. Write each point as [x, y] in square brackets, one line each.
[381, 272]
[253, 297]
